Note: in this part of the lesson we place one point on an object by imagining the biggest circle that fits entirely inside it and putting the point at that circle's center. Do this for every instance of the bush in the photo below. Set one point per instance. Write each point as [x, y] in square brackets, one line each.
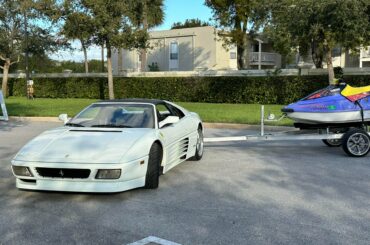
[251, 90]
[338, 72]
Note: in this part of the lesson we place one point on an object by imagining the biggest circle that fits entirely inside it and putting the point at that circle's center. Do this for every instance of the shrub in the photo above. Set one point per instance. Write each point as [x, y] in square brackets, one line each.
[338, 71]
[263, 90]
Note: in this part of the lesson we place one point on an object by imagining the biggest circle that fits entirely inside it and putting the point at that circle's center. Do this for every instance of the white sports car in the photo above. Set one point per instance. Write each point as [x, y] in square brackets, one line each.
[110, 146]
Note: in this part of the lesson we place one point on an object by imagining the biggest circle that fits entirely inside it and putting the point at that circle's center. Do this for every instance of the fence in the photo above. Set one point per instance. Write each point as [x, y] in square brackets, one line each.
[209, 73]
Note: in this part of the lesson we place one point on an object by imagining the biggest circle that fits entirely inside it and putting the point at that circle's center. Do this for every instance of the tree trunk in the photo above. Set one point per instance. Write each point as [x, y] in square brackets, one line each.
[240, 59]
[284, 60]
[102, 58]
[329, 62]
[145, 27]
[110, 73]
[85, 57]
[120, 61]
[317, 60]
[317, 56]
[101, 82]
[246, 51]
[143, 60]
[243, 54]
[4, 85]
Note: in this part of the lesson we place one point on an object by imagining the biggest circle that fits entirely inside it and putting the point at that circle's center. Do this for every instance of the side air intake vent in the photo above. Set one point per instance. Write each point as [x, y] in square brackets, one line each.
[184, 146]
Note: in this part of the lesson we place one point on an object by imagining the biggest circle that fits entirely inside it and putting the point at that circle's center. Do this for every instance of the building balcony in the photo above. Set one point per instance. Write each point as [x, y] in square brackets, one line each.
[365, 54]
[269, 59]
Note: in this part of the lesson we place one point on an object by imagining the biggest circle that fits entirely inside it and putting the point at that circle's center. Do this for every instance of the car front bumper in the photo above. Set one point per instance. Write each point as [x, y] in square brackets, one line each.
[132, 176]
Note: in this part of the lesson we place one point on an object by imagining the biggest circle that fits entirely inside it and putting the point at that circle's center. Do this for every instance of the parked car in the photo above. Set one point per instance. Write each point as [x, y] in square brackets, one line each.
[111, 146]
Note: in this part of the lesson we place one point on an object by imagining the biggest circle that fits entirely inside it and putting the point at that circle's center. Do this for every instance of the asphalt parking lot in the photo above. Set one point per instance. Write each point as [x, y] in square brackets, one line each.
[240, 193]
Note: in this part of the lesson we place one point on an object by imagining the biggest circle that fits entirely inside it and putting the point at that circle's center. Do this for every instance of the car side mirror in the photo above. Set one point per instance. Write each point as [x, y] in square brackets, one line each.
[169, 120]
[63, 118]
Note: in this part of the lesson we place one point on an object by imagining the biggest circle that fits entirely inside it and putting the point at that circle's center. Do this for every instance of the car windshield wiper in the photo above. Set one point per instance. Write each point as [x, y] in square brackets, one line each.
[74, 125]
[110, 126]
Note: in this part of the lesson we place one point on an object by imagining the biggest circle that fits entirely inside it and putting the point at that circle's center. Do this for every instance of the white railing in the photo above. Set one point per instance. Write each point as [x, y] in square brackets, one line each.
[207, 73]
[365, 52]
[270, 58]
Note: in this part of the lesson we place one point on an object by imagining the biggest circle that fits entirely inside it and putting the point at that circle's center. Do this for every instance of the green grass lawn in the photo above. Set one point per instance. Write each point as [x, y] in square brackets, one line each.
[226, 113]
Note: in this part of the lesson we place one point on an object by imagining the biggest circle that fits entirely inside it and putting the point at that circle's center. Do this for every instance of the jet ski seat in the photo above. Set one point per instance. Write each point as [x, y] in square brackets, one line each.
[355, 93]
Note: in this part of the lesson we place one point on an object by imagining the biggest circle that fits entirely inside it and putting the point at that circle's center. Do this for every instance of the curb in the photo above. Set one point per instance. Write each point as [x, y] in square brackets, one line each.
[206, 124]
[34, 119]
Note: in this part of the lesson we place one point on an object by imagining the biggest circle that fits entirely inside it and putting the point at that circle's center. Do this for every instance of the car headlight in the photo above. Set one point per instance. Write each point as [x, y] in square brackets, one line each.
[108, 174]
[22, 171]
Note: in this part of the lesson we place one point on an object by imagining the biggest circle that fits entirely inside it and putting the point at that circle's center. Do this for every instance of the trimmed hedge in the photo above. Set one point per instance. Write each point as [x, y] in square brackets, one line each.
[251, 90]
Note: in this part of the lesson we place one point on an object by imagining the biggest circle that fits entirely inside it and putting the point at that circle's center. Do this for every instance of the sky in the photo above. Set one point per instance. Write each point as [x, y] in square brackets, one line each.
[175, 11]
[180, 10]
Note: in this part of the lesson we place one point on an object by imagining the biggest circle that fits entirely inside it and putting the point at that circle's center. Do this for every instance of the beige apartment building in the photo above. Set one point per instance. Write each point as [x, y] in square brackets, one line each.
[186, 49]
[341, 58]
[201, 48]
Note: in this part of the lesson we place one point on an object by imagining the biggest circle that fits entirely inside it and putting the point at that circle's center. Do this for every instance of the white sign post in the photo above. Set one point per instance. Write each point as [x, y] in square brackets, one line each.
[3, 107]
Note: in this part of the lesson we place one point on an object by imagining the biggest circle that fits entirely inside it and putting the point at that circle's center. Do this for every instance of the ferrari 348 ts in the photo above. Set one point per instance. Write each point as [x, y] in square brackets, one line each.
[110, 146]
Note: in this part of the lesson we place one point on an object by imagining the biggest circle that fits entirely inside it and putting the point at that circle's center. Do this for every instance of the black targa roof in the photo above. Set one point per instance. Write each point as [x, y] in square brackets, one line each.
[149, 101]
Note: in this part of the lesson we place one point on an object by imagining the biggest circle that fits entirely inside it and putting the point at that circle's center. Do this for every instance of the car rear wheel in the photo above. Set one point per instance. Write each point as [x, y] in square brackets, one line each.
[199, 147]
[154, 164]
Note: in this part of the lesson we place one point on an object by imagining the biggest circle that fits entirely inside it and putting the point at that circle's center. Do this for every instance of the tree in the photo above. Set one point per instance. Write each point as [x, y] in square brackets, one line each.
[240, 19]
[13, 44]
[147, 14]
[76, 23]
[189, 23]
[10, 38]
[320, 26]
[280, 39]
[368, 17]
[80, 26]
[114, 27]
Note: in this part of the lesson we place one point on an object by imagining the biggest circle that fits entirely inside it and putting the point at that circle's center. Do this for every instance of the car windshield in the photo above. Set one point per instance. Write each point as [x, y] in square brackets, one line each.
[115, 115]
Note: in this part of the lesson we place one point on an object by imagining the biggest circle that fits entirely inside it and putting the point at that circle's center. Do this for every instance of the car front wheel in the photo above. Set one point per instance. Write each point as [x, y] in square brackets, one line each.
[154, 164]
[199, 146]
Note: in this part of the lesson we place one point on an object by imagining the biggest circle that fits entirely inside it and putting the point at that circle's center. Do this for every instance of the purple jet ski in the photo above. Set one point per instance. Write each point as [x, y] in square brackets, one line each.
[334, 106]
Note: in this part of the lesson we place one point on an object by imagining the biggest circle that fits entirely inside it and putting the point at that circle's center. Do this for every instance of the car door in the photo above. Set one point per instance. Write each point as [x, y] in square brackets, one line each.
[174, 136]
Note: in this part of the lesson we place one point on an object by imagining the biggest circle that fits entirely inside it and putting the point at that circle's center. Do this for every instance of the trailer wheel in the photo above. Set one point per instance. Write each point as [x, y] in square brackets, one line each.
[333, 142]
[356, 143]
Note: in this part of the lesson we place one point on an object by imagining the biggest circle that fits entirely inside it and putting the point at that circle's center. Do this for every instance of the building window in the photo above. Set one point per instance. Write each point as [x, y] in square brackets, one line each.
[174, 51]
[336, 52]
[233, 55]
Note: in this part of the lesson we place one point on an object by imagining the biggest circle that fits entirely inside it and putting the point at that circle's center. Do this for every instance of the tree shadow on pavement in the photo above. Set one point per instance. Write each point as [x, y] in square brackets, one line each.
[9, 125]
[237, 194]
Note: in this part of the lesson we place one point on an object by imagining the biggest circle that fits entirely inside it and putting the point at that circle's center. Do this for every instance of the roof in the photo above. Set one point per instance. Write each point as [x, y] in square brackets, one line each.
[192, 31]
[135, 100]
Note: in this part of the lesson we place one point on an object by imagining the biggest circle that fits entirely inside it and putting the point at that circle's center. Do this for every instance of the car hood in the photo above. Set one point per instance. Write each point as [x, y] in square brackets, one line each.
[81, 145]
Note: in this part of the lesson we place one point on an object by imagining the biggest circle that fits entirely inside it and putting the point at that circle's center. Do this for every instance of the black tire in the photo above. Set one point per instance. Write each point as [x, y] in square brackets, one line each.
[199, 147]
[154, 166]
[356, 143]
[333, 143]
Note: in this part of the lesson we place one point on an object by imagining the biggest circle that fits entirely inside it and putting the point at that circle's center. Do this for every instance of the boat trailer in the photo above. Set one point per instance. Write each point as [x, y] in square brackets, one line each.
[355, 141]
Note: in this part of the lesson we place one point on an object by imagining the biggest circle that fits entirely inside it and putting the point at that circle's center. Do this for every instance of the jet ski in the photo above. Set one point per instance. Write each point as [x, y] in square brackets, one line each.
[334, 106]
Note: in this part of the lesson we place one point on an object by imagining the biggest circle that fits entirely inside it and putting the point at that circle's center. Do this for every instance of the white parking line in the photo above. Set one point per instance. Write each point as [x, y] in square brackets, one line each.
[155, 240]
